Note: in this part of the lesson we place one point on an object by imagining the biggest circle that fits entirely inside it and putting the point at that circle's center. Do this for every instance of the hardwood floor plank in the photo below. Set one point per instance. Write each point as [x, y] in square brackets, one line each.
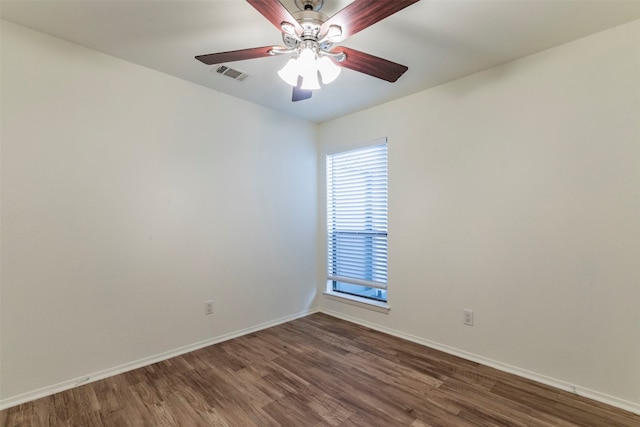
[317, 371]
[328, 408]
[288, 409]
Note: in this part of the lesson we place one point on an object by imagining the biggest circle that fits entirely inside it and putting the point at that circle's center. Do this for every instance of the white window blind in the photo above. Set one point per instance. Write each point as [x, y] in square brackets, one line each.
[357, 217]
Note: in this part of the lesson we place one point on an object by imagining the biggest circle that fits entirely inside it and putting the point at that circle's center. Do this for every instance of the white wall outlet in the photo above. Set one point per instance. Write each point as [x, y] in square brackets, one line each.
[208, 307]
[467, 317]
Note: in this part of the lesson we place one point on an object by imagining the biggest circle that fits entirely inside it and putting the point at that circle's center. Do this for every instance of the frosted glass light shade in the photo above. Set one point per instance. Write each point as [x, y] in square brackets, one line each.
[328, 70]
[307, 62]
[289, 72]
[308, 69]
[310, 81]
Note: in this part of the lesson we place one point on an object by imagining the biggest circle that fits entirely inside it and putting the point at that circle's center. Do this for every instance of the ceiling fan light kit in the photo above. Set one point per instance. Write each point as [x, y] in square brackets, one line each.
[307, 62]
[309, 37]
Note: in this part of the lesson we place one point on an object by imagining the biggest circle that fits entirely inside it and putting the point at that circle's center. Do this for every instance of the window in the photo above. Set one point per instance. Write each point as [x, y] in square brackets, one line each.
[357, 222]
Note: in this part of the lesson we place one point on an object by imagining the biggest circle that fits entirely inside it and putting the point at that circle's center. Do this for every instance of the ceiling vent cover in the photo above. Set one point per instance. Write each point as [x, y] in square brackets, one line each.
[231, 73]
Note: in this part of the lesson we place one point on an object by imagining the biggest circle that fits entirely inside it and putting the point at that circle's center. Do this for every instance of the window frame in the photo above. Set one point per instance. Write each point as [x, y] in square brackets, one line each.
[331, 293]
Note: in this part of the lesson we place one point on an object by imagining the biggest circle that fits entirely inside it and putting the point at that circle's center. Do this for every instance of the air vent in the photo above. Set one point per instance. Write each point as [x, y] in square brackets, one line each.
[231, 73]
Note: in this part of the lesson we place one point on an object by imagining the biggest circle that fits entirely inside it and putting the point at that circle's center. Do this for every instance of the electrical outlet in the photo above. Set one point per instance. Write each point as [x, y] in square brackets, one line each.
[467, 317]
[208, 307]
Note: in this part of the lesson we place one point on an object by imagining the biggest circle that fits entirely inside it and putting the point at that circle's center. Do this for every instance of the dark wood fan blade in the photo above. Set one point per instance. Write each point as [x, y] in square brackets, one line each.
[276, 13]
[371, 65]
[234, 55]
[361, 14]
[300, 94]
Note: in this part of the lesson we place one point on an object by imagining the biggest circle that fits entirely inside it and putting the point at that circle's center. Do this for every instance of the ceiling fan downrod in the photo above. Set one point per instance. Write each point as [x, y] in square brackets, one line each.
[309, 4]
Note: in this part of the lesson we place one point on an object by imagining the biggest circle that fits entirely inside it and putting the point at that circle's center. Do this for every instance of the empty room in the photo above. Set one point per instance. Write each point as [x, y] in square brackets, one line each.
[320, 213]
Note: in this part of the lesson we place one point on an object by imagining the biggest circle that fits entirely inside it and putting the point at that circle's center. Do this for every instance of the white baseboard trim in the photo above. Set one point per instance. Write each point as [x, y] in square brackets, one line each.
[562, 385]
[96, 376]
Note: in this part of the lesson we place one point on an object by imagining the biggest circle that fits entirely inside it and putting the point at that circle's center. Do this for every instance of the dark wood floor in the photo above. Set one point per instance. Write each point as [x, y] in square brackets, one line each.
[315, 371]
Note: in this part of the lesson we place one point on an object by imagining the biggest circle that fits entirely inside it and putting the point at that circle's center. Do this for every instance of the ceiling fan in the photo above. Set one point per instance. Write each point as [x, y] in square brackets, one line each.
[309, 37]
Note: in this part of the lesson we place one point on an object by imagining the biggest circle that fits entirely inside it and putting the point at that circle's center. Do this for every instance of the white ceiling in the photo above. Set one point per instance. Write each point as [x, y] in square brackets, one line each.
[439, 40]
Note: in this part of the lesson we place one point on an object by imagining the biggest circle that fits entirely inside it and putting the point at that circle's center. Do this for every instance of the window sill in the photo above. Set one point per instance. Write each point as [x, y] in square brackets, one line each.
[369, 304]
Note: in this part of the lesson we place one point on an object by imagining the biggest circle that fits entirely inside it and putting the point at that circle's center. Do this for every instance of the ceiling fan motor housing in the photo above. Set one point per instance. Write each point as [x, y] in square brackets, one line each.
[310, 21]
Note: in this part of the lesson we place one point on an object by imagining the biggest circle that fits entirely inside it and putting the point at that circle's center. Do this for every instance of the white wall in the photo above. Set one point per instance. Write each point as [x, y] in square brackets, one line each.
[129, 198]
[515, 192]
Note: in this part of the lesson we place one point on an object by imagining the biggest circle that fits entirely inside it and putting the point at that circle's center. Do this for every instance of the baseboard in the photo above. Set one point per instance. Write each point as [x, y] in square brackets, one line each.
[96, 376]
[559, 384]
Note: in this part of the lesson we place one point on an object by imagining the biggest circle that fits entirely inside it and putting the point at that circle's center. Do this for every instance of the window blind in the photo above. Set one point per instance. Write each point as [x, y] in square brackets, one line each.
[357, 216]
